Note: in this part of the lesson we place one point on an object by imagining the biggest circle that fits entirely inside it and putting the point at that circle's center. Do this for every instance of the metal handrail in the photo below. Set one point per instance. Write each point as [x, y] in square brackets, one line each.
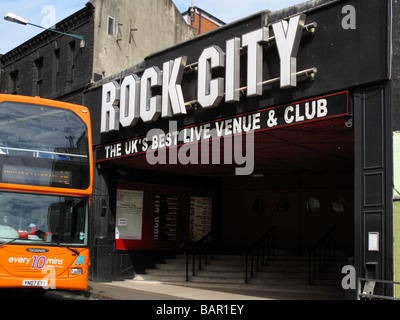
[322, 252]
[266, 242]
[375, 296]
[197, 248]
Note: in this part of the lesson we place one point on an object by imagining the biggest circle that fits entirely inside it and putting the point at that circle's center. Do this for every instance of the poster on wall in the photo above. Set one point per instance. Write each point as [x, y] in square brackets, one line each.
[129, 215]
[165, 217]
[200, 217]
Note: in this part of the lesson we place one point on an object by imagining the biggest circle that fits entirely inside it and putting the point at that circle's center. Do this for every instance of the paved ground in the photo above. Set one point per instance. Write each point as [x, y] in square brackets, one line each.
[146, 290]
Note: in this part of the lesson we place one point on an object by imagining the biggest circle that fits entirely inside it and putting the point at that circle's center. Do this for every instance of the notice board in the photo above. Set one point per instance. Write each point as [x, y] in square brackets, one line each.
[200, 217]
[129, 214]
[165, 217]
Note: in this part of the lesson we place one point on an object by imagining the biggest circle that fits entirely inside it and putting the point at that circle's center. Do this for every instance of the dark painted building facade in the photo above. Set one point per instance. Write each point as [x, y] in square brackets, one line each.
[51, 65]
[312, 88]
[280, 120]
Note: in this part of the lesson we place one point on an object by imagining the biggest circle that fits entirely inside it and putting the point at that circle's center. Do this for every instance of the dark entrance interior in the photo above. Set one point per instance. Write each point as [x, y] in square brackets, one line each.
[302, 183]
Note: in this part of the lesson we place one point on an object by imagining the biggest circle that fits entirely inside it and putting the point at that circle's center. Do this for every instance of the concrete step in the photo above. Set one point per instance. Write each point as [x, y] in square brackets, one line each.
[282, 273]
[177, 262]
[160, 278]
[224, 268]
[166, 272]
[329, 291]
[220, 274]
[283, 265]
[296, 269]
[217, 280]
[164, 266]
[279, 282]
[254, 283]
[283, 269]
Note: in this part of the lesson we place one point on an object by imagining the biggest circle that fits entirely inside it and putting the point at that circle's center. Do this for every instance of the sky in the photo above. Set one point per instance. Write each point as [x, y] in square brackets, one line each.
[48, 12]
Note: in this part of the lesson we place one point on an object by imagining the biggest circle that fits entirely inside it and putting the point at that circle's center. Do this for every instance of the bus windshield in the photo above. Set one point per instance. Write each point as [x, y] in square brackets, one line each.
[43, 219]
[43, 146]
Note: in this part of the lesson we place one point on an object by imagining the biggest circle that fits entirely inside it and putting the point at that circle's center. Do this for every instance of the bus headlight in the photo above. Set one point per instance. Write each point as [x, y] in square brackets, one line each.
[75, 271]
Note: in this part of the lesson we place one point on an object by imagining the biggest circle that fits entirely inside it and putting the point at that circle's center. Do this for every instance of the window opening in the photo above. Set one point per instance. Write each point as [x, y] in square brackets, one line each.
[111, 26]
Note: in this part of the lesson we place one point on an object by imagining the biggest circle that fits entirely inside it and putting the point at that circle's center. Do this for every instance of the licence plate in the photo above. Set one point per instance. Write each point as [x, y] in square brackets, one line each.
[34, 283]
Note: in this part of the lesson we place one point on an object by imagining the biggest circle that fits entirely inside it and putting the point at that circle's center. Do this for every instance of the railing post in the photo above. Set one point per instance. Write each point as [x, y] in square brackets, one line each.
[309, 269]
[252, 264]
[206, 257]
[196, 247]
[187, 266]
[263, 253]
[324, 250]
[200, 259]
[315, 267]
[273, 242]
[194, 264]
[270, 234]
[246, 269]
[334, 244]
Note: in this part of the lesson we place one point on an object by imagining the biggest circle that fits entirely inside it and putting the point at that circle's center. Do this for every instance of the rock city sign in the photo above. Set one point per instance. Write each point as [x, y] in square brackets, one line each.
[133, 99]
[320, 108]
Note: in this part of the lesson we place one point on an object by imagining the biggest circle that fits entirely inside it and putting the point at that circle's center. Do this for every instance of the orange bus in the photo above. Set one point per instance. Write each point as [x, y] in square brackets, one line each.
[46, 171]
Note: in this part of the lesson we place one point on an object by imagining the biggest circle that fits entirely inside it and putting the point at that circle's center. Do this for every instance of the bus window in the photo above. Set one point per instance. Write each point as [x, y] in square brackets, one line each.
[43, 146]
[41, 219]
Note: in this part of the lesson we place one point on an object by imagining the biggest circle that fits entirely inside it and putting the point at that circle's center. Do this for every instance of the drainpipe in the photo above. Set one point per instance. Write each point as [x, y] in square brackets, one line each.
[201, 15]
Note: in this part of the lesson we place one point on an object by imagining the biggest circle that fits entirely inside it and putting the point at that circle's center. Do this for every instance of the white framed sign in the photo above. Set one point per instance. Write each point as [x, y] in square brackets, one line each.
[373, 241]
[200, 217]
[129, 214]
[165, 217]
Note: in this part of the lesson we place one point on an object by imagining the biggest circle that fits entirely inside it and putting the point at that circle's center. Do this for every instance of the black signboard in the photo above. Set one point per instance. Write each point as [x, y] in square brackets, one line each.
[300, 112]
[165, 217]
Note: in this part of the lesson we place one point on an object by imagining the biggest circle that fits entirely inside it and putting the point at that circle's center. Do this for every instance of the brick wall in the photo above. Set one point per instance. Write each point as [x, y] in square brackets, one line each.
[202, 24]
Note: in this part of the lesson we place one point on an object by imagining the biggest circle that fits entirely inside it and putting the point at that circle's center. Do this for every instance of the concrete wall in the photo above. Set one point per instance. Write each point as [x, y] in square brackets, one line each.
[395, 65]
[396, 192]
[396, 230]
[156, 24]
[396, 162]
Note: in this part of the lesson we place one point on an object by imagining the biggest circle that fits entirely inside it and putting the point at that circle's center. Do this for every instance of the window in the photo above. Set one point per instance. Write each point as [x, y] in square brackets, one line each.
[111, 26]
[43, 146]
[259, 206]
[39, 76]
[37, 219]
[282, 205]
[56, 71]
[14, 81]
[338, 205]
[313, 205]
[71, 62]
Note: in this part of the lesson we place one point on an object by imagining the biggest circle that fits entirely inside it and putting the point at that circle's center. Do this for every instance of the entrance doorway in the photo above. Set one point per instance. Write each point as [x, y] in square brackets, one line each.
[302, 183]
